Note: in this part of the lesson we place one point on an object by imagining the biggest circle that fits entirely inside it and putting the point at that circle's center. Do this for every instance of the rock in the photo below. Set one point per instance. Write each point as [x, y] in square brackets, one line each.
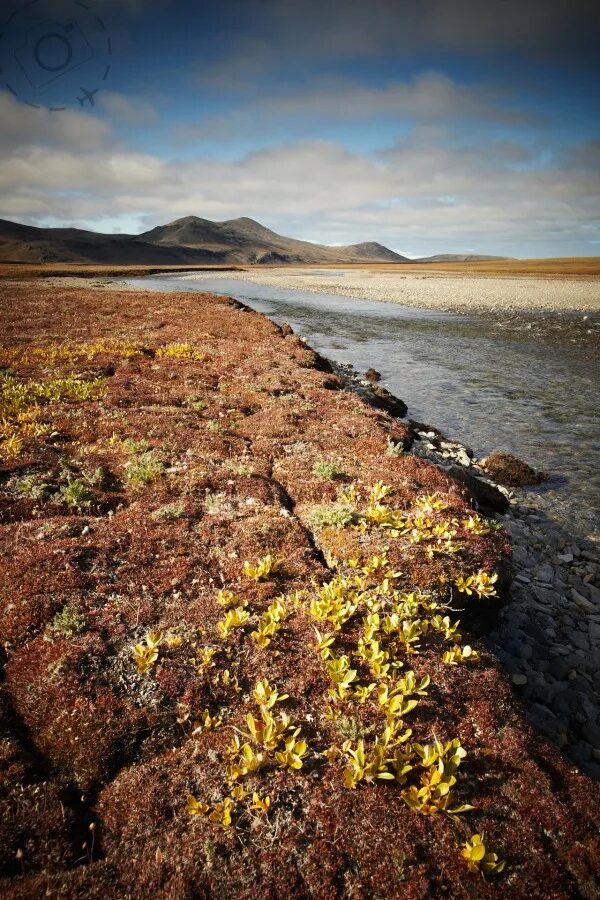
[386, 401]
[488, 497]
[544, 572]
[373, 375]
[565, 557]
[508, 470]
[543, 718]
[519, 555]
[286, 329]
[519, 679]
[582, 603]
[591, 732]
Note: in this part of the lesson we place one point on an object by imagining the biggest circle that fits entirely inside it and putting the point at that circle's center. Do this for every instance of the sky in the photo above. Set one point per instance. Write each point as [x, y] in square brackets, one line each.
[439, 126]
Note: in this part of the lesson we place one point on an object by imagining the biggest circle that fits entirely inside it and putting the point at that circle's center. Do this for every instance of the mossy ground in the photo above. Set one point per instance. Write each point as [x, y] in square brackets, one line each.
[88, 740]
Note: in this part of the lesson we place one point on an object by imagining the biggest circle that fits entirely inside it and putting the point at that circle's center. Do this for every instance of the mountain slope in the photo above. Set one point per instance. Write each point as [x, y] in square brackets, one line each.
[190, 240]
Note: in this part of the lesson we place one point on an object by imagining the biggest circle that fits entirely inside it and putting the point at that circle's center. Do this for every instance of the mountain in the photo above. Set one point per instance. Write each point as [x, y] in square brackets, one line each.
[246, 241]
[190, 240]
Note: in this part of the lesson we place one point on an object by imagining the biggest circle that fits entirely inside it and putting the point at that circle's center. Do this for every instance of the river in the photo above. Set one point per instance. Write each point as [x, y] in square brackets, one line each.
[522, 382]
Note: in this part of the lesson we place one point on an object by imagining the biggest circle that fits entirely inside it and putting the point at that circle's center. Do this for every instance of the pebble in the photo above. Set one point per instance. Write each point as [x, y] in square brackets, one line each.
[544, 573]
[548, 635]
[581, 601]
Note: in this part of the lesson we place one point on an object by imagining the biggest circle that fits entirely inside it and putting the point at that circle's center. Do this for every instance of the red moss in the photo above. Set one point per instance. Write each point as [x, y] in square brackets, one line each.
[82, 717]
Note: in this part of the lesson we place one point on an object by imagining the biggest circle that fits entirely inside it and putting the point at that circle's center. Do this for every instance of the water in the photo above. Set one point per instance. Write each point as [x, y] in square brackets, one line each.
[525, 383]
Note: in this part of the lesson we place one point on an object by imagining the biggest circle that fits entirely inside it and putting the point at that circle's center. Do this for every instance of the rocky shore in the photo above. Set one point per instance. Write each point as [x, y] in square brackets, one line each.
[228, 619]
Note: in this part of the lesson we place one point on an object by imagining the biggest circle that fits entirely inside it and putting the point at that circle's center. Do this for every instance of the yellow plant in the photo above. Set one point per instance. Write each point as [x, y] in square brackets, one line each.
[270, 622]
[479, 583]
[207, 655]
[261, 805]
[196, 807]
[228, 599]
[264, 632]
[248, 760]
[483, 583]
[180, 351]
[228, 678]
[221, 813]
[394, 702]
[477, 525]
[324, 644]
[479, 858]
[145, 653]
[365, 766]
[294, 751]
[266, 696]
[430, 503]
[234, 618]
[263, 568]
[207, 722]
[446, 627]
[458, 654]
[362, 693]
[379, 491]
[173, 640]
[268, 731]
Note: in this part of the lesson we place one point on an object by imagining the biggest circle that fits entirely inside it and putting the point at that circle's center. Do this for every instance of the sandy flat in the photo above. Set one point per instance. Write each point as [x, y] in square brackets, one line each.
[459, 292]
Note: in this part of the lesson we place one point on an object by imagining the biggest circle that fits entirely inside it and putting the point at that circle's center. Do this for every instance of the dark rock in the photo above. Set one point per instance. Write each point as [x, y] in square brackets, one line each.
[510, 471]
[286, 329]
[373, 375]
[386, 401]
[487, 497]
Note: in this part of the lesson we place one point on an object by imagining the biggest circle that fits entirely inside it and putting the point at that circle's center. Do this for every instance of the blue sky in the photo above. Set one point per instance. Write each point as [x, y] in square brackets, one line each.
[434, 127]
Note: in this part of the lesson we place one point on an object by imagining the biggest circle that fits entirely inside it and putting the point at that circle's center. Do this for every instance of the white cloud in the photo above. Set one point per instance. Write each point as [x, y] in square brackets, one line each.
[131, 110]
[414, 195]
[24, 127]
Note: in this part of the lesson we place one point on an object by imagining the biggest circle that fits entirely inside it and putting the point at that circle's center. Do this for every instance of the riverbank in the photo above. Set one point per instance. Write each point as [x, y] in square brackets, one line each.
[181, 437]
[462, 292]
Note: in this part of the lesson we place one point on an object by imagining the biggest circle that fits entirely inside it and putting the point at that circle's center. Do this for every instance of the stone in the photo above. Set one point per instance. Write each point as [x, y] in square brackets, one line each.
[526, 651]
[591, 732]
[581, 601]
[545, 595]
[508, 470]
[383, 399]
[543, 718]
[544, 572]
[373, 375]
[565, 557]
[519, 555]
[487, 496]
[580, 640]
[519, 679]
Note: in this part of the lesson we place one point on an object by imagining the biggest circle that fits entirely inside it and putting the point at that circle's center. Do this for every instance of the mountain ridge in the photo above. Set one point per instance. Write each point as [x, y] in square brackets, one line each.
[186, 240]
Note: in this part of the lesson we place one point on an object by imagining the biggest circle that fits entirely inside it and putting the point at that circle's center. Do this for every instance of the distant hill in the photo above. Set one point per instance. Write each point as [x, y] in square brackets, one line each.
[460, 257]
[188, 240]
